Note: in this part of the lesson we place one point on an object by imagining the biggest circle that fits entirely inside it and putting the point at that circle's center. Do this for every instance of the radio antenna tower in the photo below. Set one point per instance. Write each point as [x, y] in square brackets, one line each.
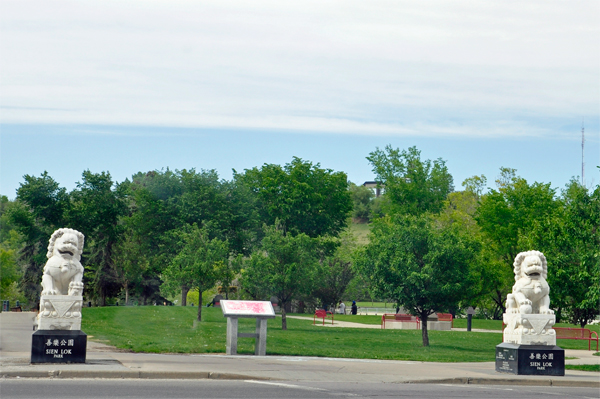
[582, 153]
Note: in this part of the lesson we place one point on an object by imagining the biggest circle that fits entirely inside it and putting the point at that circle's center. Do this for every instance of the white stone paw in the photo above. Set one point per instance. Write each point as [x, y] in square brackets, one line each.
[526, 308]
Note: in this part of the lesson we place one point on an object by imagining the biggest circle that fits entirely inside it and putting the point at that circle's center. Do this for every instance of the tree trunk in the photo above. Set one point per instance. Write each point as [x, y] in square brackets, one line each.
[199, 318]
[424, 333]
[184, 292]
[126, 294]
[283, 318]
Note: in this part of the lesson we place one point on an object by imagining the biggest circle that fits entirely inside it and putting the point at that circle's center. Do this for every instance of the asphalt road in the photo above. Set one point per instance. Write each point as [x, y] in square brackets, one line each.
[150, 389]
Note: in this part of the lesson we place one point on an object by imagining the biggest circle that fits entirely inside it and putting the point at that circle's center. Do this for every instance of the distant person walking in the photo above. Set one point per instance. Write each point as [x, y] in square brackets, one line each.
[354, 308]
[342, 308]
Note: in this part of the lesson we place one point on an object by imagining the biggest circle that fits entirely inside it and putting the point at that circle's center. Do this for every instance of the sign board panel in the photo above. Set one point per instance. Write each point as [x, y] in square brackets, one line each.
[247, 309]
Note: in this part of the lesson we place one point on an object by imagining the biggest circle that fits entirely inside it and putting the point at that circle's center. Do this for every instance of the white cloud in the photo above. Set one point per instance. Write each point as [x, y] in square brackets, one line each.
[382, 67]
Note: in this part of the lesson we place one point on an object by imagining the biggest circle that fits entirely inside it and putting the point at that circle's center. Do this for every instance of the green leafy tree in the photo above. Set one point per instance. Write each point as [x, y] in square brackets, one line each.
[40, 208]
[163, 202]
[130, 263]
[97, 206]
[570, 239]
[495, 278]
[10, 244]
[413, 186]
[227, 272]
[285, 267]
[336, 272]
[8, 271]
[505, 216]
[362, 198]
[197, 263]
[426, 268]
[475, 185]
[302, 197]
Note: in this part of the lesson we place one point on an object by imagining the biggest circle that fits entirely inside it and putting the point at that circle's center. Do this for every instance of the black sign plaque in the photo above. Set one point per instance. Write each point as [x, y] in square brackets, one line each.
[530, 359]
[58, 346]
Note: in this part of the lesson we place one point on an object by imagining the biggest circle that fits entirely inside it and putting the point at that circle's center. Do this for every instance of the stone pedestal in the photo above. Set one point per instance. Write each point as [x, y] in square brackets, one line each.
[529, 329]
[60, 312]
[530, 359]
[58, 346]
[439, 325]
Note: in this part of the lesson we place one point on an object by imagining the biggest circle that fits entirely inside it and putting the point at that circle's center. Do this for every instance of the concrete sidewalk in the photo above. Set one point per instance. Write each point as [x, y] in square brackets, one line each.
[107, 362]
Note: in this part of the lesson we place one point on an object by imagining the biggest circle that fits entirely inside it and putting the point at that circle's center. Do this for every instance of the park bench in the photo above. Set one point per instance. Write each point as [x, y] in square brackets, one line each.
[446, 317]
[322, 314]
[399, 318]
[577, 333]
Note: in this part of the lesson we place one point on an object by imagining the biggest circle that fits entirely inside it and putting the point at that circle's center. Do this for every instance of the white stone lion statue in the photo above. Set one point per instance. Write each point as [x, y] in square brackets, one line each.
[530, 292]
[63, 272]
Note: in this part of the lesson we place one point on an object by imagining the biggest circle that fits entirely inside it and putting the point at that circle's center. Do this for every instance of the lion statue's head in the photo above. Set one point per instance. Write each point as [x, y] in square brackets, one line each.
[530, 264]
[66, 243]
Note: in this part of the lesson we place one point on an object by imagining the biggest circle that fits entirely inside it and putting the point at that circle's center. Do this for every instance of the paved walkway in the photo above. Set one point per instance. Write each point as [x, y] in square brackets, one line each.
[107, 362]
[338, 323]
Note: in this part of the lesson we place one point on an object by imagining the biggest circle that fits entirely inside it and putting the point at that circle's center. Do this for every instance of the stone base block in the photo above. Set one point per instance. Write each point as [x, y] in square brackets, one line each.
[530, 359]
[439, 325]
[59, 312]
[58, 346]
[529, 329]
[400, 325]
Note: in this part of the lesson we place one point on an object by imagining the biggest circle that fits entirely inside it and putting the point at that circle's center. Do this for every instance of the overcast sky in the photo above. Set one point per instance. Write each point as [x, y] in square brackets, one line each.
[127, 86]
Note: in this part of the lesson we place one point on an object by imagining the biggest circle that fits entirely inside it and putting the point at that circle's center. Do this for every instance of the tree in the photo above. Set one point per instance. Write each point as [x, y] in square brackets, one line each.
[300, 196]
[285, 266]
[426, 268]
[570, 239]
[475, 184]
[197, 262]
[130, 263]
[336, 271]
[97, 206]
[10, 244]
[460, 208]
[362, 198]
[413, 186]
[227, 271]
[505, 216]
[163, 202]
[40, 208]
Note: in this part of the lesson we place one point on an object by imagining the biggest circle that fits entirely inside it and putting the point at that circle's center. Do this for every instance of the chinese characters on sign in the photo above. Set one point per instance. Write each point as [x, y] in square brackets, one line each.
[62, 342]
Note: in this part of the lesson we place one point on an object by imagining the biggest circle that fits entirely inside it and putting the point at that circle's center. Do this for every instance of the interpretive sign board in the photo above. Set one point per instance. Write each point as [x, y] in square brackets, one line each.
[247, 308]
[261, 310]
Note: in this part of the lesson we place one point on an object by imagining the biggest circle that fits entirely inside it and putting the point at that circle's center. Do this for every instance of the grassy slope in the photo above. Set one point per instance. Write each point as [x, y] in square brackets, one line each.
[360, 231]
[170, 329]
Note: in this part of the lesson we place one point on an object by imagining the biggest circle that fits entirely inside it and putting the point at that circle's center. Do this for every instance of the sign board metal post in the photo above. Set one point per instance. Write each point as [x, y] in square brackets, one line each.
[260, 310]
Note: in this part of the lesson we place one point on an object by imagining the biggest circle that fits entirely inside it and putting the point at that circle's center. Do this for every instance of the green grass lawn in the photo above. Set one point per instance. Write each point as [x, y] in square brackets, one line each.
[361, 232]
[583, 367]
[160, 329]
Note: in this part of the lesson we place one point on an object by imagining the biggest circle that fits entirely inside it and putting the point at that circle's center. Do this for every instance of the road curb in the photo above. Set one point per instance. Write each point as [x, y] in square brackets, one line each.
[129, 374]
[203, 375]
[509, 381]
